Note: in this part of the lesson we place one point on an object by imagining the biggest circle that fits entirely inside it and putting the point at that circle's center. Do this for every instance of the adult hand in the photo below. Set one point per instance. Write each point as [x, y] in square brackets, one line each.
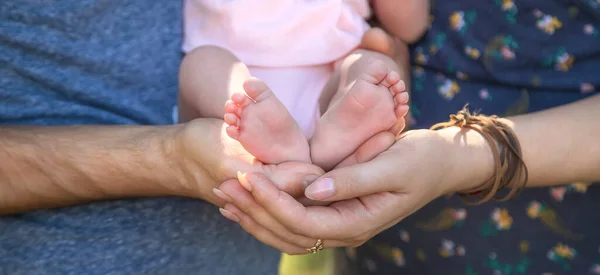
[208, 157]
[53, 166]
[367, 197]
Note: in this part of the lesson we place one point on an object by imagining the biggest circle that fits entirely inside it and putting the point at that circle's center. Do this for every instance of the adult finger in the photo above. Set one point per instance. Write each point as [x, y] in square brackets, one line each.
[265, 236]
[369, 149]
[344, 220]
[308, 202]
[241, 198]
[378, 175]
[292, 177]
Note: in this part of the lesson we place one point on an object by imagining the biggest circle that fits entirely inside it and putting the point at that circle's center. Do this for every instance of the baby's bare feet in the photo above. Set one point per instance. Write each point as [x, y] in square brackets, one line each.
[260, 122]
[374, 103]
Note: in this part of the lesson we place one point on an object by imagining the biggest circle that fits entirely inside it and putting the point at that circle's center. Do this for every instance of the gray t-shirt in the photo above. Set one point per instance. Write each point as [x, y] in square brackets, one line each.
[107, 62]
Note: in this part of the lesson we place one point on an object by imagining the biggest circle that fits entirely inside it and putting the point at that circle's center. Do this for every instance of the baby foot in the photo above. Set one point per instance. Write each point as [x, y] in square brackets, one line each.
[377, 40]
[260, 122]
[376, 102]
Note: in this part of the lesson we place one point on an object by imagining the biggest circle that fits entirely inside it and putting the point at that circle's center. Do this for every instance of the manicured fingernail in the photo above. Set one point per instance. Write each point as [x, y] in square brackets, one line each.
[229, 215]
[309, 179]
[221, 195]
[244, 181]
[320, 189]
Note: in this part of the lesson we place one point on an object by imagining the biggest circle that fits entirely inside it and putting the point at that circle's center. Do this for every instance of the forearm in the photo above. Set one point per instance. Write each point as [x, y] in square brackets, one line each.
[45, 167]
[406, 20]
[559, 146]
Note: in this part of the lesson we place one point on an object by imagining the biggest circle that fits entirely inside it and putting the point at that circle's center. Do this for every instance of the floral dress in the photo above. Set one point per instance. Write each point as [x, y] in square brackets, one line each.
[503, 57]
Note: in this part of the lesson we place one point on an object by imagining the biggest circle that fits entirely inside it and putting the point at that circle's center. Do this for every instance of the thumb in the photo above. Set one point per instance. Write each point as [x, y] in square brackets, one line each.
[292, 177]
[353, 181]
[370, 149]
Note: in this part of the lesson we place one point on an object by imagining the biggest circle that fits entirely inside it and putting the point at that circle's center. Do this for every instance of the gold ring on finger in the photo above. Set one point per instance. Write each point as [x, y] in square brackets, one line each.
[317, 247]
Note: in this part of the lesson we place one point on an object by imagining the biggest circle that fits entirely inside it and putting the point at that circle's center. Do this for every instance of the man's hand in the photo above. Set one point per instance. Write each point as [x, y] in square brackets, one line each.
[218, 158]
[45, 167]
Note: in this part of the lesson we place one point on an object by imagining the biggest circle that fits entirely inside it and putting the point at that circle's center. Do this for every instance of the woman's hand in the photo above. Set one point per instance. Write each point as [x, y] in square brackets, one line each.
[367, 197]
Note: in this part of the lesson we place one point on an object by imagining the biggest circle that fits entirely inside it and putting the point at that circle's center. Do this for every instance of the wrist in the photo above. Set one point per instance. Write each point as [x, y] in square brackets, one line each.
[472, 159]
[144, 162]
[171, 167]
[205, 157]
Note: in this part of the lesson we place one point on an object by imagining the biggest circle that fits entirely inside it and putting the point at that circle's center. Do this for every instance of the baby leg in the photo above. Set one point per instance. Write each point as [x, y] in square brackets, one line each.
[208, 77]
[211, 77]
[379, 41]
[371, 98]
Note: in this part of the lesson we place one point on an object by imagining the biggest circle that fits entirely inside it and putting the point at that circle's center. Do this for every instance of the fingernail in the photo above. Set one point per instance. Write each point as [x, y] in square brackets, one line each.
[308, 180]
[320, 189]
[244, 181]
[229, 215]
[221, 195]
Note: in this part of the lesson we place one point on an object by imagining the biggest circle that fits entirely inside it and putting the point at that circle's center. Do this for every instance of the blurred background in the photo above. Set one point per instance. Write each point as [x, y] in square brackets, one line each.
[326, 262]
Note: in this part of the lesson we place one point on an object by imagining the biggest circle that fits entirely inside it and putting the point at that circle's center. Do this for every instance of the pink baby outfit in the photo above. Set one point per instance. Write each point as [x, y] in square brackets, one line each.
[290, 44]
